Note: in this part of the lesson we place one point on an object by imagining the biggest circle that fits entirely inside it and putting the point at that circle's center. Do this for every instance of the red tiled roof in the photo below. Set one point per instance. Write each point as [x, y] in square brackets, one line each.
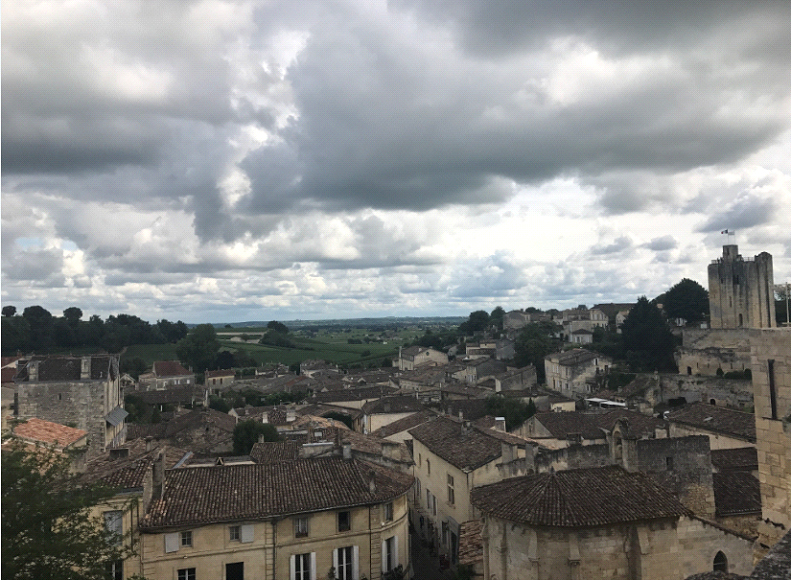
[464, 447]
[220, 373]
[170, 368]
[739, 459]
[273, 452]
[718, 419]
[578, 498]
[47, 432]
[203, 495]
[405, 423]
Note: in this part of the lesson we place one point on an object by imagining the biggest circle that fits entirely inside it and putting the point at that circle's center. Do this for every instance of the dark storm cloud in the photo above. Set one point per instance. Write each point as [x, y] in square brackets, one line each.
[746, 212]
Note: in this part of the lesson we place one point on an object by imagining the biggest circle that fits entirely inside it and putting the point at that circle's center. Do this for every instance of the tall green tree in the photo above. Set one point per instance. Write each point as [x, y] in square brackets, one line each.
[477, 322]
[535, 341]
[9, 311]
[199, 348]
[50, 527]
[688, 300]
[647, 340]
[497, 317]
[41, 326]
[277, 327]
[246, 434]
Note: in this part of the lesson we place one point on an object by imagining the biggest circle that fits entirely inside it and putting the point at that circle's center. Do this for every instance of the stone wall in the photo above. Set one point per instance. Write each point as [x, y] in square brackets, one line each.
[705, 350]
[734, 393]
[771, 364]
[670, 549]
[82, 404]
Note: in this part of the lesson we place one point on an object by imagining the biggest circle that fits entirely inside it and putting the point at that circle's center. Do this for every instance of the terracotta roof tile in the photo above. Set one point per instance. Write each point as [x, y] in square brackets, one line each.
[170, 368]
[464, 447]
[719, 419]
[220, 373]
[739, 459]
[564, 423]
[395, 404]
[470, 543]
[736, 492]
[203, 495]
[272, 452]
[35, 429]
[405, 423]
[578, 498]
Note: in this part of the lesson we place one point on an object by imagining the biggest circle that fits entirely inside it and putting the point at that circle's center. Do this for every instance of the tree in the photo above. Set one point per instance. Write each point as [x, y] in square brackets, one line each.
[199, 348]
[9, 311]
[535, 341]
[477, 322]
[647, 340]
[688, 300]
[277, 327]
[50, 528]
[497, 317]
[246, 434]
[41, 325]
[514, 411]
[72, 315]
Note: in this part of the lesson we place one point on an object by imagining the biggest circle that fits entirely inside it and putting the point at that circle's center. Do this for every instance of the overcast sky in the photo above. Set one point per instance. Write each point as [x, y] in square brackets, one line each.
[227, 161]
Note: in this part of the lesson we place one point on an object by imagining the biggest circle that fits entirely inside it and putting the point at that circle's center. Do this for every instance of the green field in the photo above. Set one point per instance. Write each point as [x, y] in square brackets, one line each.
[330, 344]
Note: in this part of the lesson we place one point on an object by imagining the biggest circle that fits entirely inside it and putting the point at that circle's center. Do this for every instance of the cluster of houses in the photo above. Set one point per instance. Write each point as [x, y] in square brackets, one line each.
[596, 484]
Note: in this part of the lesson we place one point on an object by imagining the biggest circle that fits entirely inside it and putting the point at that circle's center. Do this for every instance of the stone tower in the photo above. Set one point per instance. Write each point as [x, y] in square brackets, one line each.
[741, 291]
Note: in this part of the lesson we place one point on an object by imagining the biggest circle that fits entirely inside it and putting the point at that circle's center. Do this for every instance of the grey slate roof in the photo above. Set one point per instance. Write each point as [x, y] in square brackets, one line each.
[578, 498]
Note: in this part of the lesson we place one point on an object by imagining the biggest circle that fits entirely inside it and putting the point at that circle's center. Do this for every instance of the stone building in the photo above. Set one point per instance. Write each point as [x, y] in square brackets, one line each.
[575, 372]
[598, 523]
[741, 291]
[166, 374]
[771, 364]
[284, 519]
[415, 356]
[451, 457]
[83, 392]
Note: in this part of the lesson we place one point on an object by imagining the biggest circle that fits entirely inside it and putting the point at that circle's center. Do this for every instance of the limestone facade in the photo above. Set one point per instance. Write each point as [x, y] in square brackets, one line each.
[771, 365]
[741, 291]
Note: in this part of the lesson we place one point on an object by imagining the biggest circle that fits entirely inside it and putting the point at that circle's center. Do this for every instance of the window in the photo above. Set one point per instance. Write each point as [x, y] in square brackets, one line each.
[234, 533]
[116, 570]
[114, 524]
[419, 460]
[186, 574]
[451, 490]
[418, 491]
[303, 566]
[344, 521]
[770, 368]
[346, 563]
[301, 527]
[234, 571]
[428, 466]
[389, 512]
[186, 538]
[669, 462]
[434, 504]
[390, 554]
[720, 562]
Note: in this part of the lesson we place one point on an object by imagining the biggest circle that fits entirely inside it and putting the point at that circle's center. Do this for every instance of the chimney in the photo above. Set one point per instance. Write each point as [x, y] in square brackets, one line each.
[390, 450]
[461, 414]
[499, 423]
[508, 452]
[85, 368]
[32, 370]
[149, 443]
[466, 427]
[159, 476]
[371, 482]
[347, 451]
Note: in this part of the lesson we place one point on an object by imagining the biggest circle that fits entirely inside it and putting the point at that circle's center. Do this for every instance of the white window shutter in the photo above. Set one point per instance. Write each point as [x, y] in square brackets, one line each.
[247, 533]
[395, 551]
[335, 561]
[356, 562]
[384, 556]
[313, 566]
[171, 542]
[293, 567]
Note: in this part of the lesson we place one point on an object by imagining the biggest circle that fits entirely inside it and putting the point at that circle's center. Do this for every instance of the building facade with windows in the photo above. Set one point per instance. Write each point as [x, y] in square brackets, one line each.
[292, 519]
[451, 457]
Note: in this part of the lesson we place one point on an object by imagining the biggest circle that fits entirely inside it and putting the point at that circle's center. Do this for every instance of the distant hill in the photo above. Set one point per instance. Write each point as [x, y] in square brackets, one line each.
[352, 322]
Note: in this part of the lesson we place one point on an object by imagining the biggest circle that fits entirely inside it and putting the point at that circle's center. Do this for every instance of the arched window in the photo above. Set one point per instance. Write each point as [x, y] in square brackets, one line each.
[741, 320]
[720, 562]
[713, 402]
[689, 370]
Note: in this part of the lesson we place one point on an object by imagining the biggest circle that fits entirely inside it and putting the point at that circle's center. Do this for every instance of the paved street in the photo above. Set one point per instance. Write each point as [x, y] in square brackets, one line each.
[425, 565]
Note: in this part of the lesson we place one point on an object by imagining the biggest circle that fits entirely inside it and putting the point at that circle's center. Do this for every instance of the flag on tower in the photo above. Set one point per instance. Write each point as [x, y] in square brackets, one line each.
[724, 232]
